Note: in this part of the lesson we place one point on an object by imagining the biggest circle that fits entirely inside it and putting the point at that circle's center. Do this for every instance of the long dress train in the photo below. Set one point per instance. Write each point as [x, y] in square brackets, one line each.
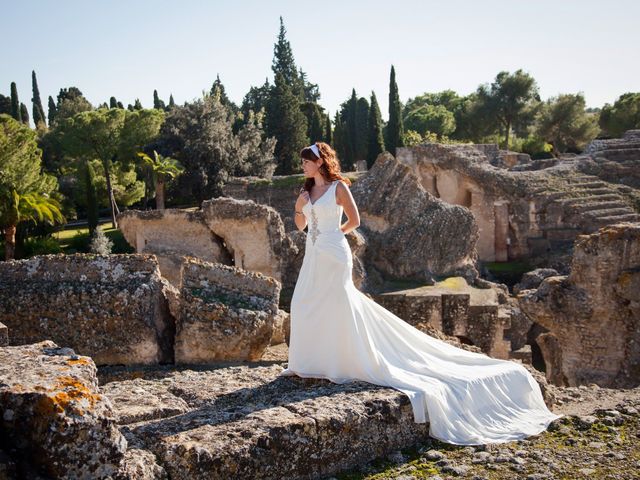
[340, 334]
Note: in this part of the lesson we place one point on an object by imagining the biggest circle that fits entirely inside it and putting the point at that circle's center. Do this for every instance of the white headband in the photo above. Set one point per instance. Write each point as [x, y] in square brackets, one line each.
[315, 150]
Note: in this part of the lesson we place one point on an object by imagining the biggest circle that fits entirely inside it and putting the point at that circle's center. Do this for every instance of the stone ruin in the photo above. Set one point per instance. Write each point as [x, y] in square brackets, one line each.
[592, 315]
[521, 214]
[221, 304]
[118, 309]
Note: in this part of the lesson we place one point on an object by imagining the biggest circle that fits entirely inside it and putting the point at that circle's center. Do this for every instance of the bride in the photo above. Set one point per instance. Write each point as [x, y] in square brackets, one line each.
[340, 334]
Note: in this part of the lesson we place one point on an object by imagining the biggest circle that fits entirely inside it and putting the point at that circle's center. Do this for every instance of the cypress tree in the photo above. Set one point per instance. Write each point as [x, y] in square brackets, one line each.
[24, 114]
[113, 103]
[157, 103]
[375, 138]
[171, 102]
[362, 128]
[284, 63]
[5, 105]
[51, 116]
[137, 105]
[339, 143]
[38, 110]
[316, 133]
[120, 105]
[288, 124]
[351, 131]
[395, 128]
[15, 103]
[328, 137]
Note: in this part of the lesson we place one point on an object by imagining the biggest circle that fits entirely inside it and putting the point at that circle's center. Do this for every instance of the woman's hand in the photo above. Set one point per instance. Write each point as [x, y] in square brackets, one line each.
[303, 198]
[299, 218]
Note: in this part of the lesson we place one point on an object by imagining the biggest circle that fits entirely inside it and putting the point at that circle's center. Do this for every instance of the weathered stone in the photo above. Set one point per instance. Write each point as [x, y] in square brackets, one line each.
[457, 309]
[223, 313]
[246, 422]
[171, 235]
[410, 233]
[52, 411]
[4, 335]
[109, 307]
[534, 214]
[594, 312]
[533, 279]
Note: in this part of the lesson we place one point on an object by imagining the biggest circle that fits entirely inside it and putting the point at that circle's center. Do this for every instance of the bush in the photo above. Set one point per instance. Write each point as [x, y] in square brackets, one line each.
[41, 246]
[100, 244]
[79, 243]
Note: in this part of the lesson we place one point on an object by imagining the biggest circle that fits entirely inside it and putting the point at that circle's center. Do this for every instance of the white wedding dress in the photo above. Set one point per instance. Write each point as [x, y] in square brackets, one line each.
[340, 334]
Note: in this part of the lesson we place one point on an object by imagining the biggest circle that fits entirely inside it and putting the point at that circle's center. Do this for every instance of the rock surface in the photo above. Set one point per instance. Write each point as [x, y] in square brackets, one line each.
[410, 233]
[53, 416]
[109, 307]
[224, 313]
[594, 312]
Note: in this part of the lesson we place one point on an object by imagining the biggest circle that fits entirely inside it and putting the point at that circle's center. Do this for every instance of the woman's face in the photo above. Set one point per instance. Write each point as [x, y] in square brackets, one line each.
[310, 167]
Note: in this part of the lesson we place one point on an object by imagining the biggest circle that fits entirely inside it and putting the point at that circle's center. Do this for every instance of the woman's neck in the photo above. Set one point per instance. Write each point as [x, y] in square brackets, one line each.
[320, 180]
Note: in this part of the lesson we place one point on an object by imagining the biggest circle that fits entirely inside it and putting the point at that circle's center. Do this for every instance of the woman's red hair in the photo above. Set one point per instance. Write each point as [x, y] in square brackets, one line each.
[330, 168]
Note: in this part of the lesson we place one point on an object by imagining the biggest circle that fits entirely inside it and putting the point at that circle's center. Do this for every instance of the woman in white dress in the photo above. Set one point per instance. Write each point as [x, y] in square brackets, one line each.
[340, 334]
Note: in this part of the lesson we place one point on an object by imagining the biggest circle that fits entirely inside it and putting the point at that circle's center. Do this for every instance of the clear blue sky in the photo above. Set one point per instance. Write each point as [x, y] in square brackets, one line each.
[129, 48]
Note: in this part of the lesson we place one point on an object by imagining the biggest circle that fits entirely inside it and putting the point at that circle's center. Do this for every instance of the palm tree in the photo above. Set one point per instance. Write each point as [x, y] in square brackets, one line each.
[16, 208]
[163, 169]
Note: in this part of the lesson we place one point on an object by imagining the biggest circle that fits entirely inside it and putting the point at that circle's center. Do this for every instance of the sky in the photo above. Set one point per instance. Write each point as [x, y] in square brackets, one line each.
[129, 48]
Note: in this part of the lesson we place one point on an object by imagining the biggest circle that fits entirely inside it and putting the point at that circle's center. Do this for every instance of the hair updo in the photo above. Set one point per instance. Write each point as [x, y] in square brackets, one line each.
[330, 168]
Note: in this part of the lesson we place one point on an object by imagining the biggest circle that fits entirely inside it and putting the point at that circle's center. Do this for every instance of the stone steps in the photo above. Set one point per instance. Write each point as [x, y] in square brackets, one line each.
[590, 198]
[607, 220]
[589, 185]
[607, 212]
[591, 206]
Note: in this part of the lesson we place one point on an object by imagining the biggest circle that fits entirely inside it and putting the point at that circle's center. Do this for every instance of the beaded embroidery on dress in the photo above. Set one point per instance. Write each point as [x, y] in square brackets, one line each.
[340, 334]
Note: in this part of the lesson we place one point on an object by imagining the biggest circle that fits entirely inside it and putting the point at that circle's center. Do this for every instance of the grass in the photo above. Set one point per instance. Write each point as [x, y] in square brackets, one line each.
[76, 240]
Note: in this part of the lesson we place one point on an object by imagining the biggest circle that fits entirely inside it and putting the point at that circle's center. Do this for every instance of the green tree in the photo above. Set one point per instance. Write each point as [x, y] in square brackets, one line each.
[157, 103]
[24, 190]
[112, 136]
[509, 97]
[287, 123]
[113, 103]
[431, 118]
[52, 110]
[327, 137]
[374, 137]
[565, 124]
[24, 114]
[171, 102]
[285, 65]
[5, 104]
[91, 196]
[395, 127]
[623, 115]
[362, 129]
[15, 103]
[38, 110]
[70, 102]
[163, 169]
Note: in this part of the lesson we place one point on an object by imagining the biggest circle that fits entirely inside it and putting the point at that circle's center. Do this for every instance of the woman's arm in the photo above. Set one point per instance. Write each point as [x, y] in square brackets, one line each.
[298, 216]
[344, 198]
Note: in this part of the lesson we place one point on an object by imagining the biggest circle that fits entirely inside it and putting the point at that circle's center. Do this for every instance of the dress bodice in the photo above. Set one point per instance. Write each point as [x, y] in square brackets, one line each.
[324, 215]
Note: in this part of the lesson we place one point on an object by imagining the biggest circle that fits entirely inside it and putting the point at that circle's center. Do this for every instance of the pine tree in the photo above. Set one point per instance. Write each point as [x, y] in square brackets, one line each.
[51, 115]
[375, 138]
[395, 128]
[38, 110]
[15, 103]
[287, 124]
[113, 103]
[24, 114]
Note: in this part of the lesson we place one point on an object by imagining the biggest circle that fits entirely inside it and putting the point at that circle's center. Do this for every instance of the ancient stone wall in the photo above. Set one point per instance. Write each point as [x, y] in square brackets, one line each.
[594, 312]
[109, 307]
